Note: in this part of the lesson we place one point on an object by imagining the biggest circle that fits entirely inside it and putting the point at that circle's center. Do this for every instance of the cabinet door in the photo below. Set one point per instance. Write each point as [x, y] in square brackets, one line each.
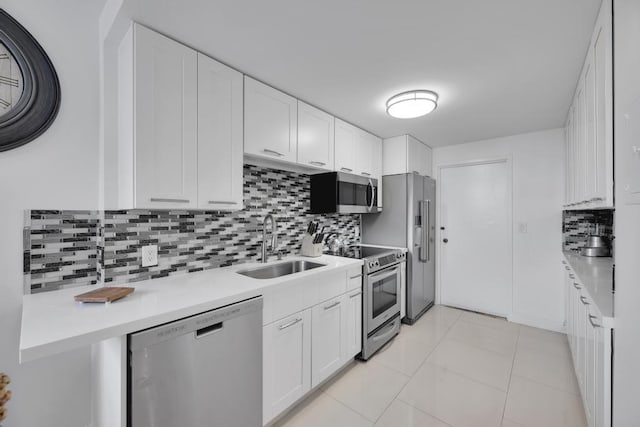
[166, 127]
[416, 156]
[428, 171]
[580, 145]
[353, 328]
[315, 137]
[270, 122]
[590, 177]
[219, 135]
[603, 81]
[591, 367]
[366, 154]
[328, 339]
[345, 147]
[286, 363]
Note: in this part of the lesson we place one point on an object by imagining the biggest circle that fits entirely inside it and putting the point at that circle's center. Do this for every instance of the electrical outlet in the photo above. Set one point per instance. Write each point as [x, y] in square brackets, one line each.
[149, 255]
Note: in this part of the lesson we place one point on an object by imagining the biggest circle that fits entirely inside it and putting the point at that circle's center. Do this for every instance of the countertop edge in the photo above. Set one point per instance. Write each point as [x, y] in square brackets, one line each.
[35, 348]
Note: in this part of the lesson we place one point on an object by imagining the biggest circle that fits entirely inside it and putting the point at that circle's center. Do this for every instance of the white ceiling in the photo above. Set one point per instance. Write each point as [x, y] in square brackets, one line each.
[501, 67]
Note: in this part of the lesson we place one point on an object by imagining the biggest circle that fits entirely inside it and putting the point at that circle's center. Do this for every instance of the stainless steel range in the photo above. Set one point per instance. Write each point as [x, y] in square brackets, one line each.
[383, 273]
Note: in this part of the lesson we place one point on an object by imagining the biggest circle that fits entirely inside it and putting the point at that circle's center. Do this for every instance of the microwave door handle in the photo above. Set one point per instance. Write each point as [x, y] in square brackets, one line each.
[423, 257]
[372, 198]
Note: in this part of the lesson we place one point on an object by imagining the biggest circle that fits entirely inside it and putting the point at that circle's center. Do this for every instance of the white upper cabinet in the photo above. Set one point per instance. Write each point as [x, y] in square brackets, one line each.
[589, 126]
[345, 147]
[270, 122]
[166, 127]
[405, 154]
[219, 135]
[315, 137]
[180, 128]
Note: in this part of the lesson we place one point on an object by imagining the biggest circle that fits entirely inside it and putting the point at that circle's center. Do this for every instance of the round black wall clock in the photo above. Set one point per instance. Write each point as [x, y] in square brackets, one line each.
[29, 86]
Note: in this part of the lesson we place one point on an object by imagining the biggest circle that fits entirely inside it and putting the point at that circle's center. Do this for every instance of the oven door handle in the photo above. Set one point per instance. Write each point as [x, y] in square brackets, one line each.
[375, 276]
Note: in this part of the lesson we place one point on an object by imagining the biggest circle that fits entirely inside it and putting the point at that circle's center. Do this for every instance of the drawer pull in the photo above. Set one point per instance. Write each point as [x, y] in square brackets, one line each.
[595, 325]
[275, 153]
[584, 300]
[566, 268]
[355, 295]
[313, 162]
[572, 276]
[355, 277]
[156, 199]
[293, 322]
[221, 202]
[330, 306]
[575, 285]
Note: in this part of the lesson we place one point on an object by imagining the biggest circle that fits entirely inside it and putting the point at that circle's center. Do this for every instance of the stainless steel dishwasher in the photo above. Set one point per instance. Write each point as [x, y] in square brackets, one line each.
[201, 371]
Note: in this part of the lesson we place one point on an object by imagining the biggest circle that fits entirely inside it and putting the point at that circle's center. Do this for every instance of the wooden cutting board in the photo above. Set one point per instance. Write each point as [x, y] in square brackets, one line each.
[107, 294]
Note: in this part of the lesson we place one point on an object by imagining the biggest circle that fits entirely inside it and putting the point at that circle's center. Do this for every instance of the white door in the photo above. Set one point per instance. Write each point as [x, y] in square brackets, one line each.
[270, 122]
[315, 137]
[219, 135]
[327, 339]
[286, 362]
[166, 116]
[475, 261]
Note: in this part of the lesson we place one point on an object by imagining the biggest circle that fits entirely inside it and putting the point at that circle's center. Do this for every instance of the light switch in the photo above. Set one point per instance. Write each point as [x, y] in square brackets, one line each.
[523, 227]
[149, 255]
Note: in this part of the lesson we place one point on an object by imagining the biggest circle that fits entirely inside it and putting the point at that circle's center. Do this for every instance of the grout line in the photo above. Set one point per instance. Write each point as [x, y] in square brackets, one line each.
[416, 371]
[513, 363]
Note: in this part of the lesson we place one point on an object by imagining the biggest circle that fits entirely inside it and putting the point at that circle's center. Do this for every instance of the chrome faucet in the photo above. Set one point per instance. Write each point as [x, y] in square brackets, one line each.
[274, 236]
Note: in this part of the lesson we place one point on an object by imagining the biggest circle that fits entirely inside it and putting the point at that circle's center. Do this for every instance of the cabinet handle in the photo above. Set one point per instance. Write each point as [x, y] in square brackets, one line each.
[156, 199]
[293, 322]
[575, 285]
[335, 304]
[313, 162]
[595, 325]
[366, 174]
[416, 172]
[356, 294]
[346, 169]
[275, 153]
[583, 300]
[221, 202]
[355, 277]
[566, 268]
[571, 276]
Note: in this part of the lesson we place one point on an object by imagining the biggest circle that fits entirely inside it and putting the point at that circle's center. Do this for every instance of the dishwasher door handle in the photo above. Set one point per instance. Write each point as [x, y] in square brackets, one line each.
[208, 330]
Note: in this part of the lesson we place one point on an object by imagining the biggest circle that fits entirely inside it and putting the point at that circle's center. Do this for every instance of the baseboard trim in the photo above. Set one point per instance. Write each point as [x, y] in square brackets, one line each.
[536, 322]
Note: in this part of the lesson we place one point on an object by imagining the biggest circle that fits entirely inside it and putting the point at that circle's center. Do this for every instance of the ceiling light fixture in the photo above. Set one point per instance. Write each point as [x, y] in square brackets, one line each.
[412, 104]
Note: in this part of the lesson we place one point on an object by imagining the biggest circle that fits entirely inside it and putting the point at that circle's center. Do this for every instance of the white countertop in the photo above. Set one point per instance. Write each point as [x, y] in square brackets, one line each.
[52, 322]
[596, 274]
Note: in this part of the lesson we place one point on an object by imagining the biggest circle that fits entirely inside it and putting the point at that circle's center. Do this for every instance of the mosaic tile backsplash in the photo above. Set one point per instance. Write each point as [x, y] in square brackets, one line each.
[72, 248]
[577, 225]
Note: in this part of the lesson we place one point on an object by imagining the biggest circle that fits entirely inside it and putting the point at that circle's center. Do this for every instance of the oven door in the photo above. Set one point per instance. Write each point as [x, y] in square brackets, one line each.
[382, 296]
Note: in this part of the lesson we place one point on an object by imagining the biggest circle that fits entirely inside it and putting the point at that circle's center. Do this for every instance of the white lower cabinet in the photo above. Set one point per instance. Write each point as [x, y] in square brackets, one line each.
[328, 339]
[353, 318]
[303, 349]
[590, 342]
[286, 362]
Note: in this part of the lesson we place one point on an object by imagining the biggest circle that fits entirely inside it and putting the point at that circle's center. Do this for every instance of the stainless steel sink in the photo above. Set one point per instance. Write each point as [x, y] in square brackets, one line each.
[280, 269]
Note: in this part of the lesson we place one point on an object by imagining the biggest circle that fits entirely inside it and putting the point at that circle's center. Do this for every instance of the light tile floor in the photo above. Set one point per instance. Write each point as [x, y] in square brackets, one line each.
[453, 368]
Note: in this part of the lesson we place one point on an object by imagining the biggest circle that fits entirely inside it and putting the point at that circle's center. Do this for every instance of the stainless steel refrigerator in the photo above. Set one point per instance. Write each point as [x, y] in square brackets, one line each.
[408, 220]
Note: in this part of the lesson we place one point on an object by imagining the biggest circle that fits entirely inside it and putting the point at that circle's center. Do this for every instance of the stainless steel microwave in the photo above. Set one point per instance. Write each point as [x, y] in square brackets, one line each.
[337, 192]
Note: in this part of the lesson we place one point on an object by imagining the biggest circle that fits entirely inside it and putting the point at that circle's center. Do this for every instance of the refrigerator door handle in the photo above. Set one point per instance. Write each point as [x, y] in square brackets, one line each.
[424, 224]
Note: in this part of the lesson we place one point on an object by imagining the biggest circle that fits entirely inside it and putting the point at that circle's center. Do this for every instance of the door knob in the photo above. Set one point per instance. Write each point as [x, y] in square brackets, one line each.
[445, 240]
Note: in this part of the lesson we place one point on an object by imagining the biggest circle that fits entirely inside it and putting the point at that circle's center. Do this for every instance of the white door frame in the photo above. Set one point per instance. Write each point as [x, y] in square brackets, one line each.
[507, 159]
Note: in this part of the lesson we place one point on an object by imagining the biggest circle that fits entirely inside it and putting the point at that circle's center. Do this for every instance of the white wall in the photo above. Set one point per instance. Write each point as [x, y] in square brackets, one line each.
[626, 369]
[538, 192]
[59, 170]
